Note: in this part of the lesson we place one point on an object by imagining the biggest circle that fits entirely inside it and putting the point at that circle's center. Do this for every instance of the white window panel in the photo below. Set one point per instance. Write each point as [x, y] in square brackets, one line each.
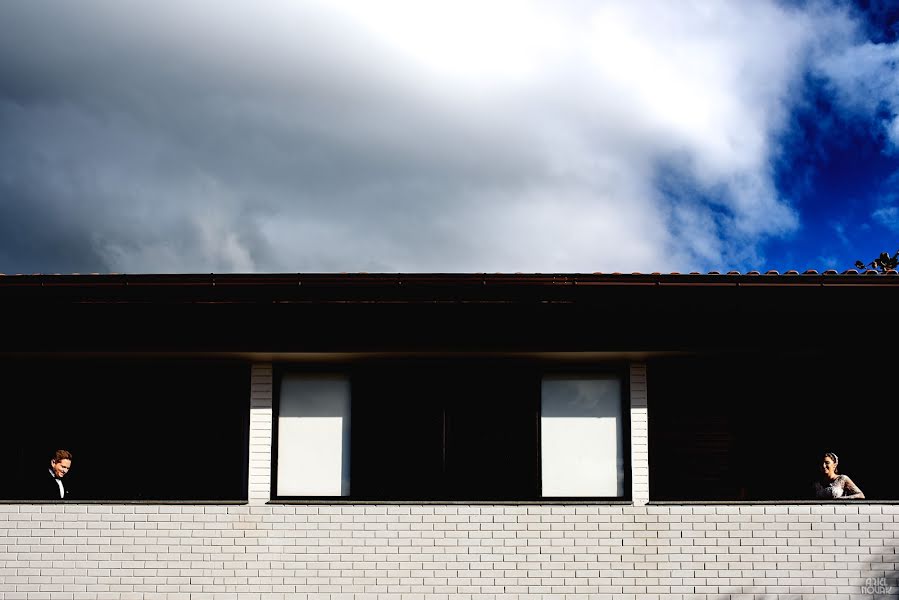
[581, 437]
[314, 436]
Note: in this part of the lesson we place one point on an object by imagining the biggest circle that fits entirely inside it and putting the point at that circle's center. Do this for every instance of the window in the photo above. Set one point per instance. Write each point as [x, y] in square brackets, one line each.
[139, 429]
[314, 422]
[451, 430]
[756, 426]
[581, 437]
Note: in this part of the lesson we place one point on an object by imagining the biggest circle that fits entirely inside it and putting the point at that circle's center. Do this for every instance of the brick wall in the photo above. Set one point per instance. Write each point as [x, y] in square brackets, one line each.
[639, 434]
[446, 551]
[259, 475]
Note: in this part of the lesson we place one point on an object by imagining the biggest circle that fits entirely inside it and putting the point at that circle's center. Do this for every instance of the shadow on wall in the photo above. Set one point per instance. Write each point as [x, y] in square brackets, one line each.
[881, 578]
[877, 579]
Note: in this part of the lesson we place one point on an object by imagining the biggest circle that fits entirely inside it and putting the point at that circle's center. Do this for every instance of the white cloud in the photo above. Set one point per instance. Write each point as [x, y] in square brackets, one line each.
[893, 131]
[887, 216]
[410, 136]
[887, 211]
[865, 78]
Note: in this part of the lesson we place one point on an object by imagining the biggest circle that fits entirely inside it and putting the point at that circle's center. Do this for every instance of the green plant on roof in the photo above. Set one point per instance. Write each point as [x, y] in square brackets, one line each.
[882, 263]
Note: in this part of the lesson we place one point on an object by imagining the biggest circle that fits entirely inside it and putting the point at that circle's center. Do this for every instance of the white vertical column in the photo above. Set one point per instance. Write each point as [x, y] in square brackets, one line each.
[639, 435]
[260, 472]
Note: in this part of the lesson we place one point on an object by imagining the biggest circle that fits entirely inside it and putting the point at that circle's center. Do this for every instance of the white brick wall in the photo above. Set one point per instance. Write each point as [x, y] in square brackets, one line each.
[259, 477]
[447, 552]
[639, 435]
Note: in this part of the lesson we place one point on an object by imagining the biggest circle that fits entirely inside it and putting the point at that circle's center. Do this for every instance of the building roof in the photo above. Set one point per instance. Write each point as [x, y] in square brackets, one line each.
[446, 312]
[363, 278]
[399, 287]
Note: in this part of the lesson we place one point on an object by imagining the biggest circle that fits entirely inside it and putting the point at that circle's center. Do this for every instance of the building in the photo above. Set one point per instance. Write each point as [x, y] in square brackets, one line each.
[449, 436]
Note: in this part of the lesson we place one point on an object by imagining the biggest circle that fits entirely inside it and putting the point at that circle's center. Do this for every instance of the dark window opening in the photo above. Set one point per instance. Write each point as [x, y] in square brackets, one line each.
[137, 429]
[397, 435]
[438, 432]
[756, 427]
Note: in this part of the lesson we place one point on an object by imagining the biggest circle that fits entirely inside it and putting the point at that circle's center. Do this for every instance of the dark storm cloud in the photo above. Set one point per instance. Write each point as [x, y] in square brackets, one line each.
[43, 235]
[164, 151]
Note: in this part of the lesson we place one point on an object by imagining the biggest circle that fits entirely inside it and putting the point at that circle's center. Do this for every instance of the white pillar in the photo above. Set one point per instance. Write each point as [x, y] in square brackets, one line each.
[639, 435]
[260, 472]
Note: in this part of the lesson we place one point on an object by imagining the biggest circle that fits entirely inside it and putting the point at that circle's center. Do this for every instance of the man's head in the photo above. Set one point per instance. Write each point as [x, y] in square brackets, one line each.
[61, 462]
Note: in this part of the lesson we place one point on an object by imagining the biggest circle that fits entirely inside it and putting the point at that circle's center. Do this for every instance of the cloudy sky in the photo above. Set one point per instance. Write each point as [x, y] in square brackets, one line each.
[464, 136]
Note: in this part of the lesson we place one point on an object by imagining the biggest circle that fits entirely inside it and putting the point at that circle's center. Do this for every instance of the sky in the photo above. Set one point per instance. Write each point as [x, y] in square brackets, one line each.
[536, 136]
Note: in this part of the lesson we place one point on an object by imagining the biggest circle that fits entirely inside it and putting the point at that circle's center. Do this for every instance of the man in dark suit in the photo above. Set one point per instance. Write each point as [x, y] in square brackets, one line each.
[50, 485]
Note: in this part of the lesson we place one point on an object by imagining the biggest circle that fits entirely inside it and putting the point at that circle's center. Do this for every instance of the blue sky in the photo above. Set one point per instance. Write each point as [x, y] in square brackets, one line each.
[471, 136]
[840, 169]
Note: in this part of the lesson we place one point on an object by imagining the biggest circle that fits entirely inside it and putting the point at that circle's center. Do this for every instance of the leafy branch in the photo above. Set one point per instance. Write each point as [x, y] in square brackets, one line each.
[882, 263]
